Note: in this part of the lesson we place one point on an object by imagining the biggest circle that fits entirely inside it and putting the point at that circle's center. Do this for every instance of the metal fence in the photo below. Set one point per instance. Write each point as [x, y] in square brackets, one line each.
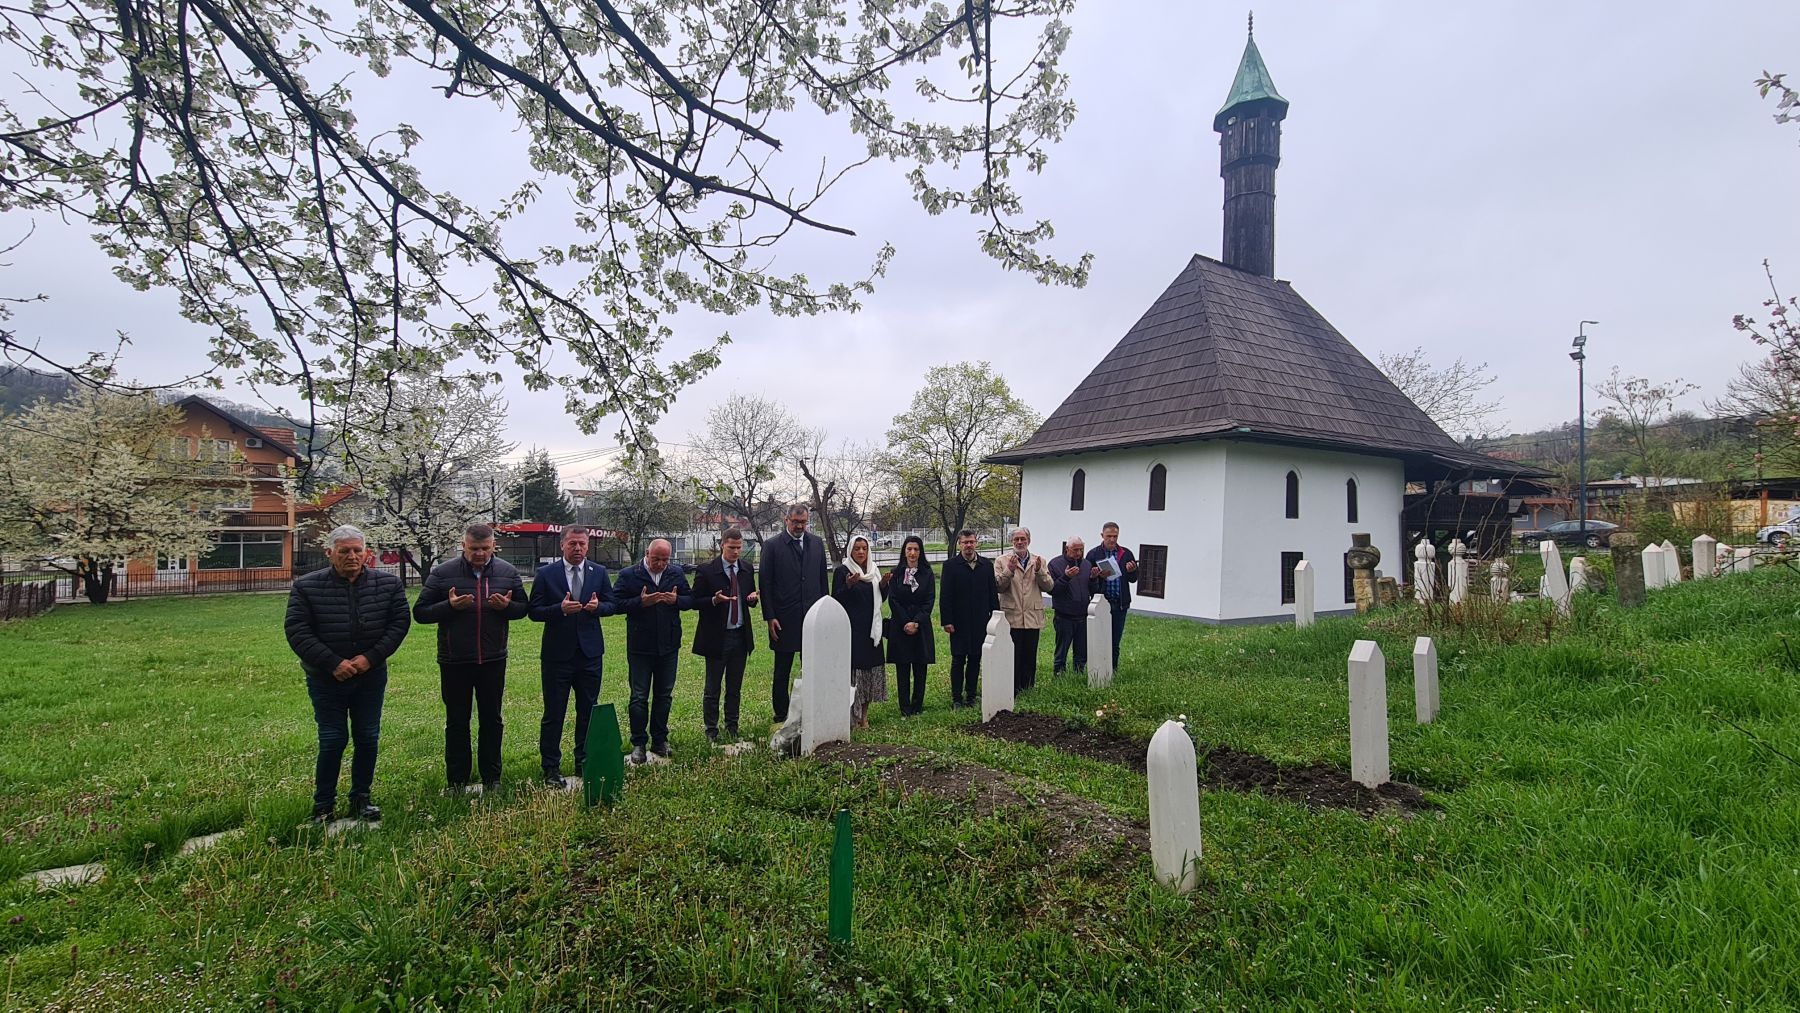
[26, 598]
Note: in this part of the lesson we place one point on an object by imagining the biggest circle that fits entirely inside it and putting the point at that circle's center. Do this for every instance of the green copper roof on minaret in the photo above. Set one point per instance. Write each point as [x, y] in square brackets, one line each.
[1253, 82]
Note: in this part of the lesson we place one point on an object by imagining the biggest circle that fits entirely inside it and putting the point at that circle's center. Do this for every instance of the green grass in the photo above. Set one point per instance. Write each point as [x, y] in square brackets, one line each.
[1608, 838]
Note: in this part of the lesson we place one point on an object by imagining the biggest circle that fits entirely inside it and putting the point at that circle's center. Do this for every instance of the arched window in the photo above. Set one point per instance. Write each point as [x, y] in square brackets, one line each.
[1078, 490]
[1293, 494]
[1350, 500]
[1159, 487]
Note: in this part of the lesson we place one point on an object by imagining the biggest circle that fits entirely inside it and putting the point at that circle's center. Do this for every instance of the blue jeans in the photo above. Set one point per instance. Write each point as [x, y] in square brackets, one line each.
[1118, 617]
[650, 673]
[356, 702]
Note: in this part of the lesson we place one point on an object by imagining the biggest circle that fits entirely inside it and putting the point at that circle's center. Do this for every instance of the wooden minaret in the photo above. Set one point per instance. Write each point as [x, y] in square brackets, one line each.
[1249, 128]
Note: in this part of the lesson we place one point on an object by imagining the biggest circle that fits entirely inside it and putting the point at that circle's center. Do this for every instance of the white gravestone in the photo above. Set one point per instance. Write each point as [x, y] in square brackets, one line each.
[1304, 586]
[1578, 574]
[1653, 566]
[1742, 559]
[1706, 557]
[1424, 572]
[1425, 680]
[1368, 714]
[1556, 582]
[1099, 636]
[997, 666]
[825, 689]
[1174, 807]
[1459, 572]
[1500, 580]
[1671, 563]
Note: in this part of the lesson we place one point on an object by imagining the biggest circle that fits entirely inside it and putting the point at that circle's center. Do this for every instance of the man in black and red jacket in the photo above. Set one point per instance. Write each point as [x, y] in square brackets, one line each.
[472, 599]
[1116, 587]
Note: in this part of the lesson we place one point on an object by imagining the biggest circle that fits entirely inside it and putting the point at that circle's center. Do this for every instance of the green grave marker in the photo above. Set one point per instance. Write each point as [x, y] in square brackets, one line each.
[603, 774]
[843, 887]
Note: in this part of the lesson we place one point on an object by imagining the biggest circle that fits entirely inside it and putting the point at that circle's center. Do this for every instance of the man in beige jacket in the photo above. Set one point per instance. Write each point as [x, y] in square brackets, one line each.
[1023, 578]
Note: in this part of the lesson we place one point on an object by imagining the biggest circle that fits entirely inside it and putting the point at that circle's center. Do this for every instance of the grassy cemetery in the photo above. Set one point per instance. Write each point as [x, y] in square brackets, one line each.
[1605, 814]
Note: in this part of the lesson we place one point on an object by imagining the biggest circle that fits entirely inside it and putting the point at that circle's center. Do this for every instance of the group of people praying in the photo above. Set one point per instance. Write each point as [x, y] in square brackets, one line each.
[346, 620]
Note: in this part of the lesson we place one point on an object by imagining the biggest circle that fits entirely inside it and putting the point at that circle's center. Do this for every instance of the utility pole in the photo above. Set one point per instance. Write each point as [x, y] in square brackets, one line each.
[1580, 357]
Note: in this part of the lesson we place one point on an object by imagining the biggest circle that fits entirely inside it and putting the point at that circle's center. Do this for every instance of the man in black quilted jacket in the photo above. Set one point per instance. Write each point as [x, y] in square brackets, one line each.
[472, 599]
[344, 622]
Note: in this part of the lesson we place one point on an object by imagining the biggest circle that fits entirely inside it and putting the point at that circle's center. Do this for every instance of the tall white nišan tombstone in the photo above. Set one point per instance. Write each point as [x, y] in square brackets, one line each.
[1500, 580]
[825, 689]
[1556, 582]
[1303, 594]
[1653, 566]
[1459, 572]
[1671, 563]
[1425, 680]
[1368, 714]
[1425, 572]
[997, 666]
[1174, 807]
[1706, 557]
[1099, 634]
[1578, 574]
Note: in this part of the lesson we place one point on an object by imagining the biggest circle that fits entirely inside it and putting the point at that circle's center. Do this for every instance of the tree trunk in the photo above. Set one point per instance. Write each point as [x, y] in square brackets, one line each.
[822, 507]
[96, 579]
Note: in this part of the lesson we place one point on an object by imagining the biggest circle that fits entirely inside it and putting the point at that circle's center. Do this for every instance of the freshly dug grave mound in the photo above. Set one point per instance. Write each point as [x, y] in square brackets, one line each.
[1074, 824]
[1222, 768]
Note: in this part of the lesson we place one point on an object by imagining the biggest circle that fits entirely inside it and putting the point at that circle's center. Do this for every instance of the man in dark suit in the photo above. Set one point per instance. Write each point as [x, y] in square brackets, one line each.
[569, 596]
[793, 570]
[1115, 586]
[652, 595]
[968, 598]
[724, 591]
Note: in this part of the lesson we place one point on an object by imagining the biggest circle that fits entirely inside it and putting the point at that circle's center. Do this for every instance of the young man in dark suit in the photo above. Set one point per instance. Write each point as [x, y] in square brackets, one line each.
[569, 596]
[967, 599]
[724, 591]
[793, 571]
[652, 594]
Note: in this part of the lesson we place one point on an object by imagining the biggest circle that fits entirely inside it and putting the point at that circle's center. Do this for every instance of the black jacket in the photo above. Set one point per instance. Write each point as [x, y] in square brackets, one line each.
[1123, 555]
[967, 599]
[911, 605]
[709, 629]
[330, 619]
[654, 630]
[859, 604]
[476, 634]
[793, 578]
[1069, 596]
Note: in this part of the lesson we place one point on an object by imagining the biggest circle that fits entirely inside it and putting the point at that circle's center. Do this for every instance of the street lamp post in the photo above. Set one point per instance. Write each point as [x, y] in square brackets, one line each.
[1580, 357]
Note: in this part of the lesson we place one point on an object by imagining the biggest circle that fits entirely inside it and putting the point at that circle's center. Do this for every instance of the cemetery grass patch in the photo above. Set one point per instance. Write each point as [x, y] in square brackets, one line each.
[1222, 768]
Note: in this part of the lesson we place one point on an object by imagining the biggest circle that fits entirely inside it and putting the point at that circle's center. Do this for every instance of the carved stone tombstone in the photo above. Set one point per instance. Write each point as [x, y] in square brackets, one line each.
[1425, 680]
[1459, 572]
[1304, 587]
[1706, 557]
[1387, 591]
[1174, 807]
[1671, 563]
[997, 666]
[1099, 634]
[1500, 580]
[1578, 574]
[1556, 582]
[1368, 714]
[1628, 569]
[1425, 582]
[1653, 567]
[1362, 559]
[825, 689]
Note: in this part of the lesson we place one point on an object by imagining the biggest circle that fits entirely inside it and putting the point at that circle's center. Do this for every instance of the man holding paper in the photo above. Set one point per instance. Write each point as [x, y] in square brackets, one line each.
[1115, 568]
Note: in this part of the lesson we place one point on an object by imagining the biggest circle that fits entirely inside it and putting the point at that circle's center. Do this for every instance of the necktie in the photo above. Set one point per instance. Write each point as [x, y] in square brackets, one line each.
[575, 582]
[735, 620]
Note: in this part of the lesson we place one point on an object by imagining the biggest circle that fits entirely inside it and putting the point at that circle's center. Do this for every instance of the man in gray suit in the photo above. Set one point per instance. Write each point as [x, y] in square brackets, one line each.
[793, 577]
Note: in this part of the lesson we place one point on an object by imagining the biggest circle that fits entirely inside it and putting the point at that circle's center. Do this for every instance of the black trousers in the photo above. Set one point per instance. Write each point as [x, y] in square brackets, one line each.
[486, 683]
[576, 674]
[346, 712]
[652, 678]
[725, 670]
[1025, 645]
[1071, 632]
[910, 679]
[965, 677]
[778, 689]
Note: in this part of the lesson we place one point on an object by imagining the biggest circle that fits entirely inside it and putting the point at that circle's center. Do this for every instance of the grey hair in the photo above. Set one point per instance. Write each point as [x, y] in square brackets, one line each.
[346, 533]
[1021, 528]
[1074, 540]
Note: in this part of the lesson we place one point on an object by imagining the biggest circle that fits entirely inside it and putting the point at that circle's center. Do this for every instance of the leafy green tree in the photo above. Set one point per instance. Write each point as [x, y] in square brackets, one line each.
[937, 448]
[539, 494]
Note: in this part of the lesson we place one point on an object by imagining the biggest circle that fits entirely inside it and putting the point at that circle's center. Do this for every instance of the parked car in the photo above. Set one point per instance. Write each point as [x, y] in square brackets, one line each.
[1778, 534]
[1597, 536]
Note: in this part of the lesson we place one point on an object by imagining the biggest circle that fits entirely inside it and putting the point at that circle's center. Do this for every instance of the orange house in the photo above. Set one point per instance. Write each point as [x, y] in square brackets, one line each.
[256, 539]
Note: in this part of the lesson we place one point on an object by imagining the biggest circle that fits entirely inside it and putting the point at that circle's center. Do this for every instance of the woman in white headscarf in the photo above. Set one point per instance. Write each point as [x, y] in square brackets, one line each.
[857, 586]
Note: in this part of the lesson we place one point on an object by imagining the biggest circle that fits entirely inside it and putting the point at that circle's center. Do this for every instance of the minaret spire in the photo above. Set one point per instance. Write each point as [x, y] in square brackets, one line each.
[1249, 127]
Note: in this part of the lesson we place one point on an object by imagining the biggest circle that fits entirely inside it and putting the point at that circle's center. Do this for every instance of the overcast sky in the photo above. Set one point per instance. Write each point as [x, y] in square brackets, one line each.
[1473, 179]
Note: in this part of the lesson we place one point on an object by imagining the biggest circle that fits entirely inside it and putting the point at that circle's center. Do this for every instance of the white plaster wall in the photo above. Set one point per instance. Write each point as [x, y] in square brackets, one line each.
[1118, 489]
[1258, 530]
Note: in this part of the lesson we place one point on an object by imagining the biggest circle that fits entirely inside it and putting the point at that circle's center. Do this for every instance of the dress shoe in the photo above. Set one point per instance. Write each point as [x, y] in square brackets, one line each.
[490, 787]
[661, 749]
[362, 810]
[637, 757]
[555, 781]
[731, 733]
[712, 736]
[322, 813]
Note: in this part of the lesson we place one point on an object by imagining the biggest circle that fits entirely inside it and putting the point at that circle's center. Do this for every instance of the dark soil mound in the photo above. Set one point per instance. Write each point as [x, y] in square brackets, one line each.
[1222, 768]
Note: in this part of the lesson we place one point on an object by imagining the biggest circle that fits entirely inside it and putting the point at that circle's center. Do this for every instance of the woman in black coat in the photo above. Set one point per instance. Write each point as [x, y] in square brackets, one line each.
[911, 590]
[857, 586]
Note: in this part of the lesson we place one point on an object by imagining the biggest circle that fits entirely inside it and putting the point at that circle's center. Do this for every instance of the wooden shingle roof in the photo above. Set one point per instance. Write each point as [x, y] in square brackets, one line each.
[1227, 353]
